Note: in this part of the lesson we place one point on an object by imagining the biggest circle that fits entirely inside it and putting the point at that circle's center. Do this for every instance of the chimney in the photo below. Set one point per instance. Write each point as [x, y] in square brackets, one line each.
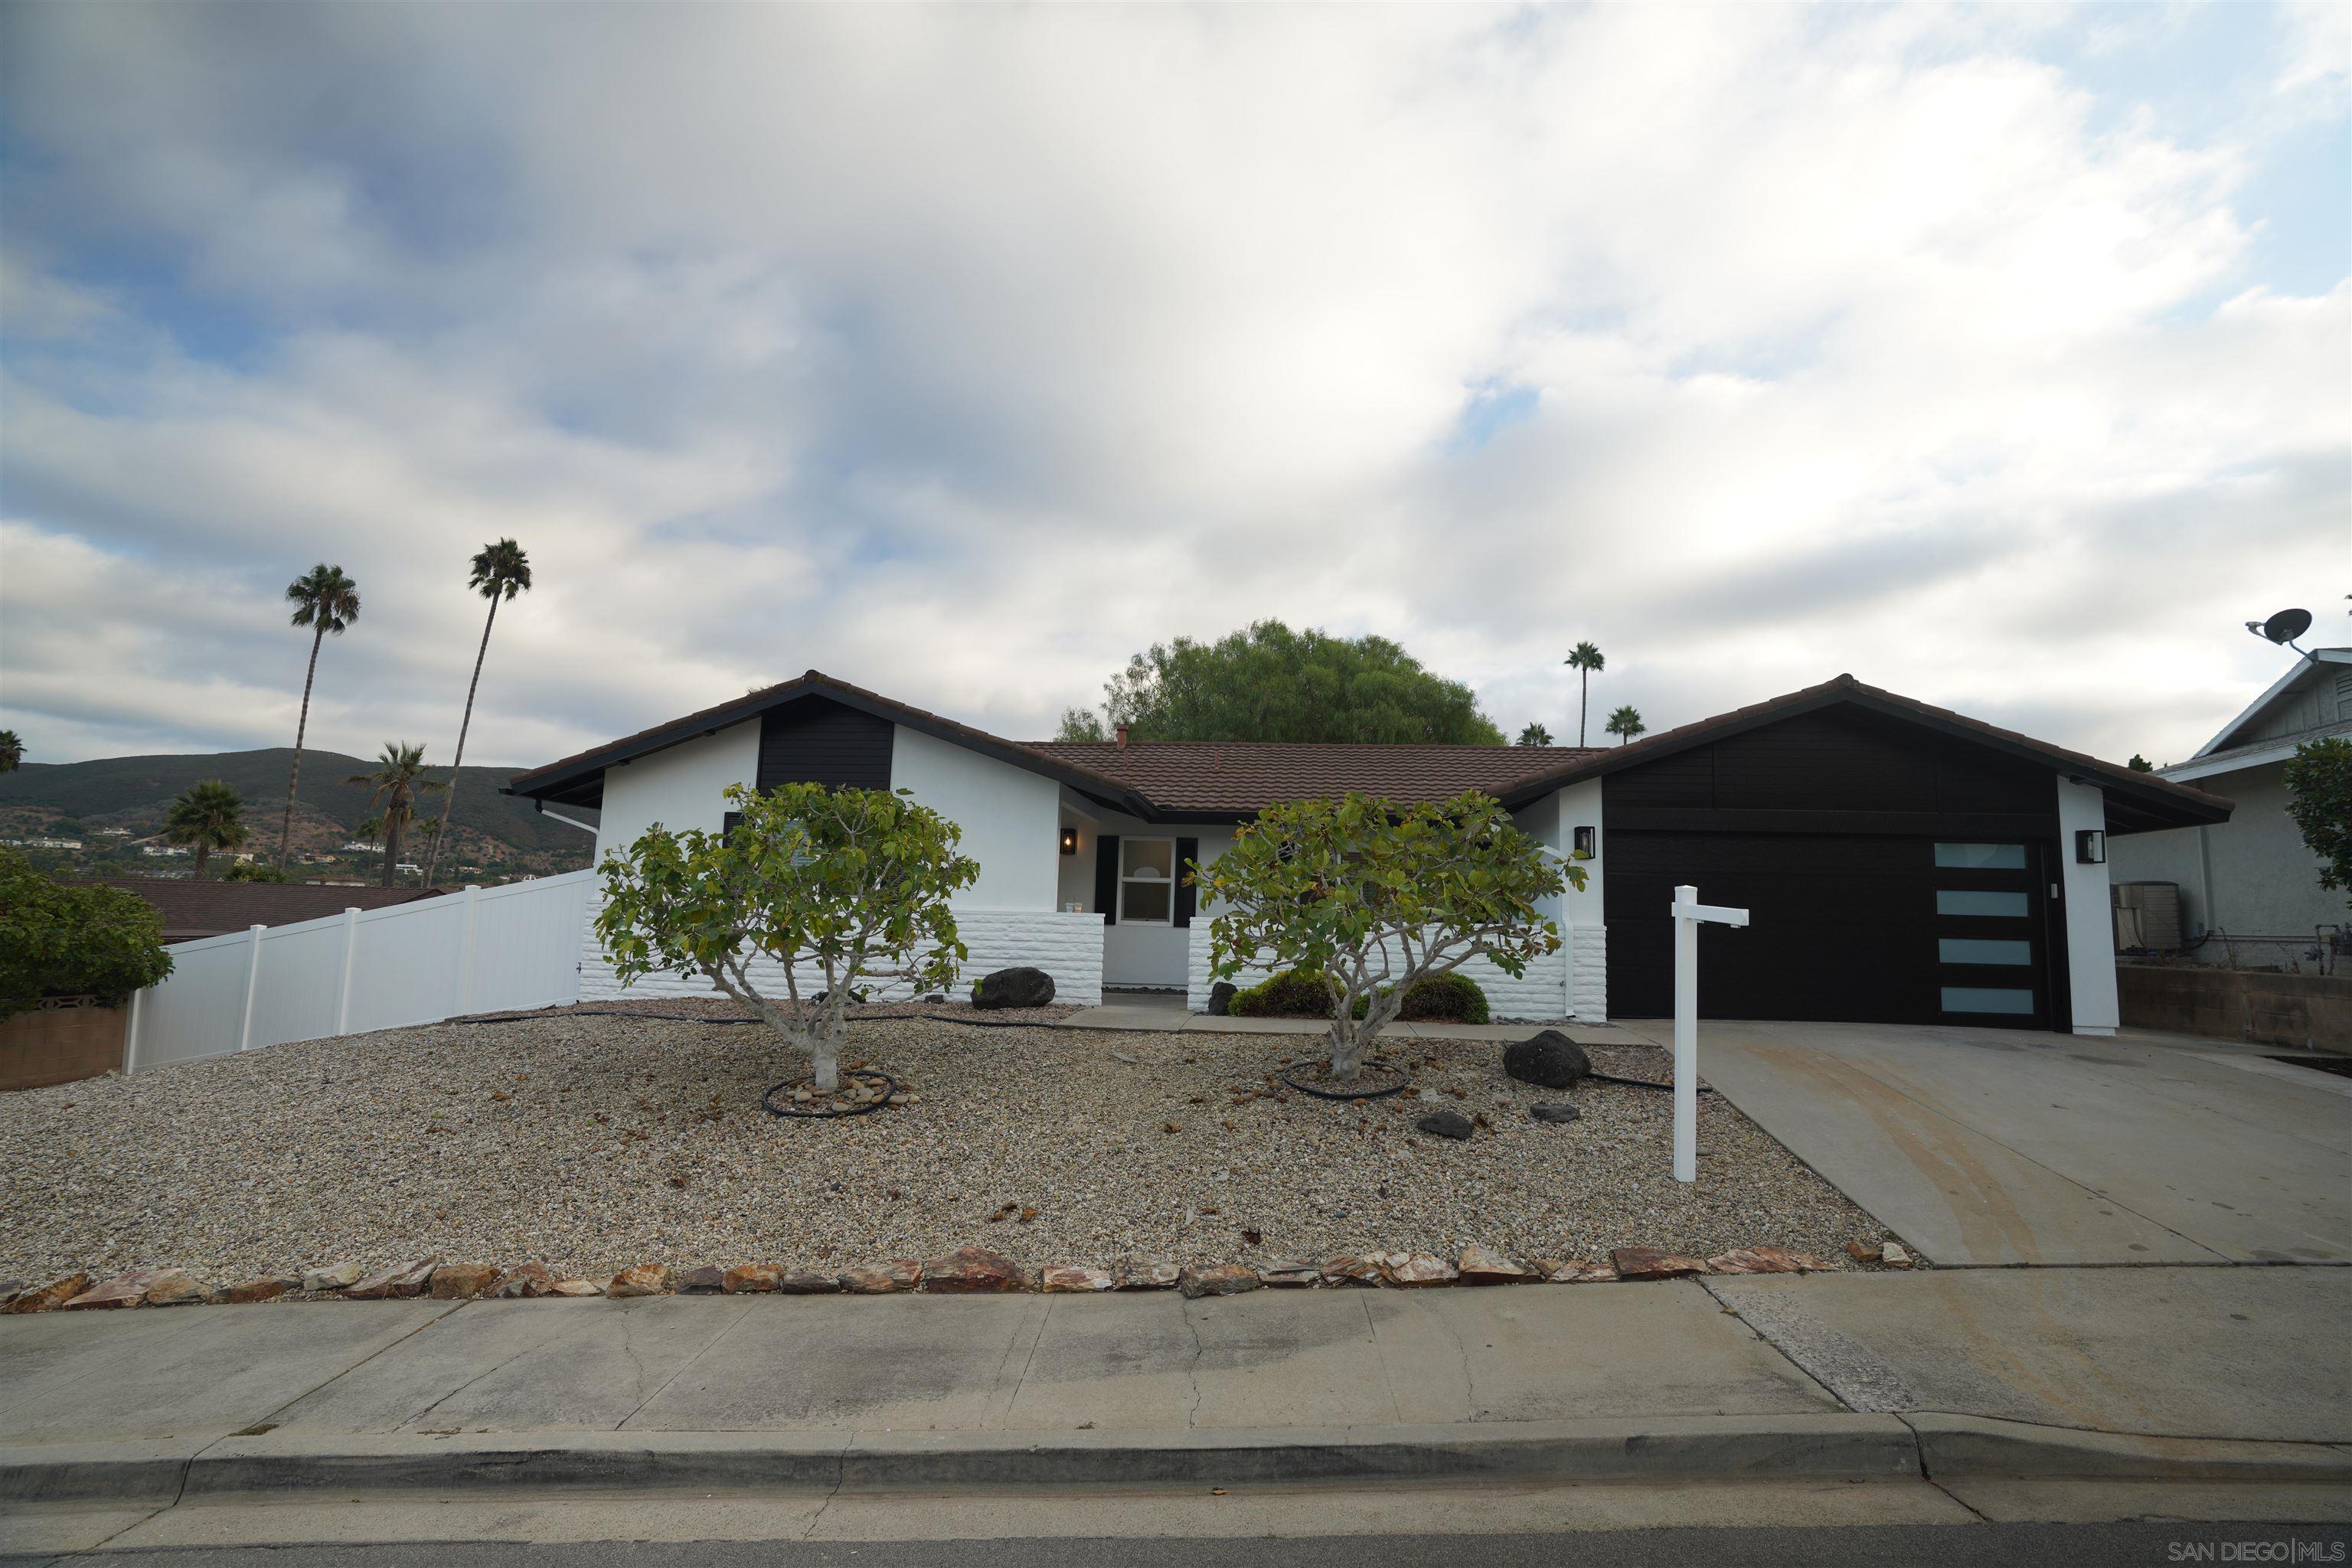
[1122, 737]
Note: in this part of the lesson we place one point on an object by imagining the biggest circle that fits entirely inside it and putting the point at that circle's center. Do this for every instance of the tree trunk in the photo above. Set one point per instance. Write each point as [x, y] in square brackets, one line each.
[1584, 702]
[201, 853]
[824, 1062]
[301, 727]
[450, 801]
[391, 846]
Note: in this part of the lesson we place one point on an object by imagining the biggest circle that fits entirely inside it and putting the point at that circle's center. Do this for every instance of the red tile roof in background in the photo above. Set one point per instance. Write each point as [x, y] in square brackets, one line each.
[193, 908]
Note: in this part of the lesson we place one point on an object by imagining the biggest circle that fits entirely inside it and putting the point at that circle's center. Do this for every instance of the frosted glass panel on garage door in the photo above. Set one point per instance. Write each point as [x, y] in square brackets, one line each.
[1979, 901]
[1982, 857]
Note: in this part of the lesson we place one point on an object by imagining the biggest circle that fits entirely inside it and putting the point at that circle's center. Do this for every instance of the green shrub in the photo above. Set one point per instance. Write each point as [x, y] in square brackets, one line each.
[1453, 998]
[1293, 994]
[62, 940]
[254, 871]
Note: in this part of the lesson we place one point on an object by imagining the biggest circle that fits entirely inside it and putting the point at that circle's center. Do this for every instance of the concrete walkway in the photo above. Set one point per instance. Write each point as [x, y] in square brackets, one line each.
[1164, 1013]
[2003, 1146]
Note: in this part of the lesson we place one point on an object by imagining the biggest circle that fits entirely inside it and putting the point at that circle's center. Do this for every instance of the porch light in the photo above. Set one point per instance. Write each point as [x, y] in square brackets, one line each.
[2090, 847]
[1588, 843]
[1070, 841]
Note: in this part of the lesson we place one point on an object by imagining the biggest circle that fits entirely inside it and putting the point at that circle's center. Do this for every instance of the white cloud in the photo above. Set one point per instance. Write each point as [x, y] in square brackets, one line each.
[961, 353]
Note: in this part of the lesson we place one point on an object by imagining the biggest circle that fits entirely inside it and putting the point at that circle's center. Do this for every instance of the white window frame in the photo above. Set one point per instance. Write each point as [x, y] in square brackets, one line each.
[1176, 875]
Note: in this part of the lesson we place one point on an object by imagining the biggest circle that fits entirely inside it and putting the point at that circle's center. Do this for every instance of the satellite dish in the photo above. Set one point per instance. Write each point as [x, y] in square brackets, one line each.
[2283, 627]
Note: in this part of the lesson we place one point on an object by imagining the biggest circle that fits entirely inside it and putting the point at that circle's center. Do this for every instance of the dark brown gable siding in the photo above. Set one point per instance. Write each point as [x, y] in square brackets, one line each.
[817, 741]
[1835, 770]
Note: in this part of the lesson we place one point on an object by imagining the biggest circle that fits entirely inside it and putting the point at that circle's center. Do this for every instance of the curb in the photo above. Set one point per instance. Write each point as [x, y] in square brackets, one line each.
[1685, 1449]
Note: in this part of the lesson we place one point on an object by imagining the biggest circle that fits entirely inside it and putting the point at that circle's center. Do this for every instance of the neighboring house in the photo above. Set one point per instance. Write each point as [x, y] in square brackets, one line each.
[1902, 863]
[2250, 888]
[194, 910]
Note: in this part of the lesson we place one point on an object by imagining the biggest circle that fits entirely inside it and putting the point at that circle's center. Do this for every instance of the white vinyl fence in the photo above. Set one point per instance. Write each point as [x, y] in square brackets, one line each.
[485, 949]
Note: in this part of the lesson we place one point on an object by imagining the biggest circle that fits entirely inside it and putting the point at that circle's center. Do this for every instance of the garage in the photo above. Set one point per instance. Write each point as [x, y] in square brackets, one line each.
[1900, 864]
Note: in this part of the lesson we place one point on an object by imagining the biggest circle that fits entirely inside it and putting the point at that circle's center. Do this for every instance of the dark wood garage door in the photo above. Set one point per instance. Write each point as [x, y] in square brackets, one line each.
[1870, 929]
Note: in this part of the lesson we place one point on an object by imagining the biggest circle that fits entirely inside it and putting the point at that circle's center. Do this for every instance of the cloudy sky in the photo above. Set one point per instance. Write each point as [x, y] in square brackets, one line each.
[2000, 357]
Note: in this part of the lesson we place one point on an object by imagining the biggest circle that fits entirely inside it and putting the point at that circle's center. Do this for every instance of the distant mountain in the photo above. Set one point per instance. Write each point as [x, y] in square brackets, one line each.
[135, 791]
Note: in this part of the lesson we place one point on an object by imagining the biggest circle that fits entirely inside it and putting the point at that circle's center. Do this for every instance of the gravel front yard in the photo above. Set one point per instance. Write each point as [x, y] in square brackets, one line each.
[593, 1142]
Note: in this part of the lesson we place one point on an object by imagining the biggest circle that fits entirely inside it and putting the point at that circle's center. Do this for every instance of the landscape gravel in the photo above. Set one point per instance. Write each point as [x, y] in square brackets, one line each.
[591, 1141]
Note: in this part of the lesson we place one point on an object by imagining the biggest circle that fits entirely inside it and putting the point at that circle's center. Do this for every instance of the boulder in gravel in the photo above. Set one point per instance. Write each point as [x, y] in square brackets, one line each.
[639, 1280]
[1414, 1270]
[1347, 1269]
[123, 1290]
[1065, 1280]
[882, 1279]
[1863, 1251]
[1479, 1266]
[179, 1288]
[1652, 1263]
[707, 1280]
[12, 1288]
[1762, 1260]
[56, 1293]
[807, 1282]
[971, 1271]
[463, 1282]
[1223, 1279]
[400, 1279]
[1549, 1060]
[1446, 1124]
[1221, 998]
[1014, 988]
[1154, 1275]
[1289, 1276]
[752, 1276]
[575, 1287]
[1555, 1111]
[332, 1276]
[524, 1280]
[267, 1289]
[1895, 1254]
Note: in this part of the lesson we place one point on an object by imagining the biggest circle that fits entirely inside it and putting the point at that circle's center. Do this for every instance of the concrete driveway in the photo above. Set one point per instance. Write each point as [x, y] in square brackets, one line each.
[2003, 1146]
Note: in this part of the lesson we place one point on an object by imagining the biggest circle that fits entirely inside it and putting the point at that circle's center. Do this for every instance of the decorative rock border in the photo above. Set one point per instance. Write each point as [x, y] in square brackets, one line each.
[965, 1271]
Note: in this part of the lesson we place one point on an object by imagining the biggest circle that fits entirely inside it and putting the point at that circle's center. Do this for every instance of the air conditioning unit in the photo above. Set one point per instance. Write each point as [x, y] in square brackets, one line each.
[2147, 916]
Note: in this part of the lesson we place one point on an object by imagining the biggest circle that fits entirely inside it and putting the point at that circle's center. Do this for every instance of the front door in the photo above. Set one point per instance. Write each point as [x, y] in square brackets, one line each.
[1992, 905]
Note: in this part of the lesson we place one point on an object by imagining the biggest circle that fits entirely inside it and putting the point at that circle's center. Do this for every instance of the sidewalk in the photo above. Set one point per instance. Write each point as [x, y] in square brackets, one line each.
[2157, 1374]
[1164, 1013]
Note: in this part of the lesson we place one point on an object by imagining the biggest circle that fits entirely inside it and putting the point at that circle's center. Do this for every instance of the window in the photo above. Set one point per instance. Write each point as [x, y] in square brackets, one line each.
[1146, 880]
[1982, 857]
[1979, 901]
[1982, 949]
[1986, 999]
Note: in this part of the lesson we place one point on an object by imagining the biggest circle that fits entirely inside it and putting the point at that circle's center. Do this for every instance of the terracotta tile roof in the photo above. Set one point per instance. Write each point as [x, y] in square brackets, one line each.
[193, 910]
[1245, 776]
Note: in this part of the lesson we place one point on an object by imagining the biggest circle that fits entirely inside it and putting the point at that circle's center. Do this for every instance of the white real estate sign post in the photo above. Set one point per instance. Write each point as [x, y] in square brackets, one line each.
[1688, 912]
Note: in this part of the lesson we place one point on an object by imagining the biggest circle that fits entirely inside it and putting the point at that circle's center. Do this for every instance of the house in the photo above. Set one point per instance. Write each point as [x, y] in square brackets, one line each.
[1902, 863]
[194, 910]
[2249, 887]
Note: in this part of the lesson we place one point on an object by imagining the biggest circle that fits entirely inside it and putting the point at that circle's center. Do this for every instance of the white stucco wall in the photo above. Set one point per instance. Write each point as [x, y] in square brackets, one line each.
[1010, 818]
[1135, 954]
[2090, 920]
[2250, 877]
[1543, 993]
[679, 788]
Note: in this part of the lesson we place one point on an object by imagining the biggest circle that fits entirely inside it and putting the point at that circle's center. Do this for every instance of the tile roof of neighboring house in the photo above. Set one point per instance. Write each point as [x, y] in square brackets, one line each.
[1181, 776]
[193, 910]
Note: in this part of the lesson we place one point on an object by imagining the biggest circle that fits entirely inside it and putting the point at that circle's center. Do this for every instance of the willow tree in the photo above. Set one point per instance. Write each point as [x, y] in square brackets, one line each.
[500, 571]
[1376, 897]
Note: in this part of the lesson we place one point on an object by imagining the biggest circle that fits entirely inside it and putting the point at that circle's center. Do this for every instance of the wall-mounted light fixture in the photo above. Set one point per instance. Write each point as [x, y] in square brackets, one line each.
[1588, 843]
[1070, 841]
[2090, 847]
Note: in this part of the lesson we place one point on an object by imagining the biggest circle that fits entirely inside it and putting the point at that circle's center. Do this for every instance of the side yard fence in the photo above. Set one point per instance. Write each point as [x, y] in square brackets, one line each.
[480, 950]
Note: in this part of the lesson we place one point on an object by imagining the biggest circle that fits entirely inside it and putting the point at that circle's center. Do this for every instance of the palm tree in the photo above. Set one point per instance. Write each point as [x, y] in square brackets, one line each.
[326, 600]
[12, 752]
[1534, 735]
[500, 571]
[1586, 659]
[1626, 722]
[206, 816]
[397, 783]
